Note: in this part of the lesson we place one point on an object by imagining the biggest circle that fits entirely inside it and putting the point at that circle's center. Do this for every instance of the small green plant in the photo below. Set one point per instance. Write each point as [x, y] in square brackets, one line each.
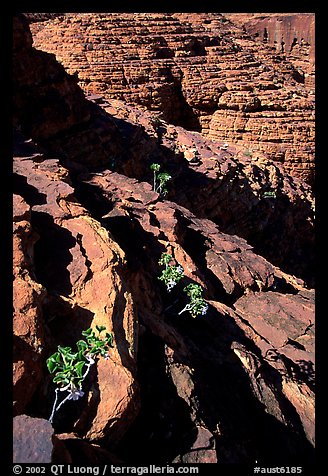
[156, 123]
[248, 153]
[155, 168]
[172, 274]
[159, 179]
[197, 305]
[71, 368]
[269, 195]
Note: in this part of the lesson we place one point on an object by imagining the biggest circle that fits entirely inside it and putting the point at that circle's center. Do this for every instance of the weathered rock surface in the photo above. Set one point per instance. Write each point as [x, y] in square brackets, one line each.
[287, 322]
[28, 296]
[32, 440]
[201, 71]
[79, 264]
[82, 452]
[241, 288]
[233, 386]
[47, 105]
[292, 34]
[202, 450]
[223, 182]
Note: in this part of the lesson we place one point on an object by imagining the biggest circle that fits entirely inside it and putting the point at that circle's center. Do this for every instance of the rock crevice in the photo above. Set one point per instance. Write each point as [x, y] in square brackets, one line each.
[232, 386]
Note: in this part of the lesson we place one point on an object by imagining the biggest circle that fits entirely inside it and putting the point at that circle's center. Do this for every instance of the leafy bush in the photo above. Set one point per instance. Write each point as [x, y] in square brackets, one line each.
[172, 274]
[248, 153]
[197, 305]
[71, 368]
[269, 195]
[160, 179]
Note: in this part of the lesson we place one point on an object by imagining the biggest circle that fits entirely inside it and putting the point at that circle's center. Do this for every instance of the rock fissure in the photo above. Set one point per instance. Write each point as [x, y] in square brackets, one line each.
[233, 386]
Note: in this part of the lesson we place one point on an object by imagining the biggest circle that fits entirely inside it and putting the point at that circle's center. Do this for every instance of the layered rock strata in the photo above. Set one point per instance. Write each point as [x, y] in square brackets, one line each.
[219, 181]
[258, 332]
[255, 300]
[292, 34]
[232, 386]
[222, 183]
[201, 71]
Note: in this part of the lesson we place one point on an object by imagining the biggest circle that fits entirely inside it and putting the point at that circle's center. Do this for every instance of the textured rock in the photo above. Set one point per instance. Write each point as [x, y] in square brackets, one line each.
[241, 288]
[28, 295]
[32, 440]
[200, 71]
[82, 452]
[233, 386]
[78, 263]
[119, 405]
[290, 33]
[223, 182]
[226, 185]
[47, 104]
[202, 450]
[285, 326]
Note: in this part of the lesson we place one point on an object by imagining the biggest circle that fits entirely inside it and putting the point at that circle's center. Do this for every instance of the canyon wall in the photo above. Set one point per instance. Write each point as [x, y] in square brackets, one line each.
[292, 34]
[204, 72]
[232, 386]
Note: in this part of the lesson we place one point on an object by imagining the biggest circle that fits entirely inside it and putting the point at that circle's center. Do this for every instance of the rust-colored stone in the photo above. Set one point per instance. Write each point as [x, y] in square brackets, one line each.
[240, 379]
[290, 33]
[28, 295]
[79, 264]
[201, 71]
[118, 394]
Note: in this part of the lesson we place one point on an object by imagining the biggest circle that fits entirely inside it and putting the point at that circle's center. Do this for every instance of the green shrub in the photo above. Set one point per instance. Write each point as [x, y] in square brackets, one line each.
[160, 180]
[172, 274]
[248, 153]
[197, 305]
[269, 195]
[71, 368]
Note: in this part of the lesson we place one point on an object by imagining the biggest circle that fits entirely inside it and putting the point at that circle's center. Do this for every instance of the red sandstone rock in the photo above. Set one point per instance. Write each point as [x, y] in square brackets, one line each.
[243, 378]
[279, 324]
[78, 263]
[290, 33]
[82, 452]
[223, 183]
[225, 186]
[202, 450]
[47, 103]
[118, 394]
[32, 440]
[27, 321]
[198, 70]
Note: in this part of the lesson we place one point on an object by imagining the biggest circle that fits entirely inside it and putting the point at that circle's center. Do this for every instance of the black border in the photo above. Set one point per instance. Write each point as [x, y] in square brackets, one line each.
[196, 6]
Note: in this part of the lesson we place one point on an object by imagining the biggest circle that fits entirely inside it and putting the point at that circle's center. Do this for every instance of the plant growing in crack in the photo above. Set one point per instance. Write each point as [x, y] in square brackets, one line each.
[197, 305]
[270, 194]
[160, 179]
[248, 153]
[172, 274]
[156, 123]
[71, 368]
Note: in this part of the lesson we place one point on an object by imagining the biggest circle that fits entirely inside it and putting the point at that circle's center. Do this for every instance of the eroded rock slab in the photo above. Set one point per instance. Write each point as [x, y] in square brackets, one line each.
[28, 296]
[203, 71]
[32, 440]
[239, 379]
[220, 180]
[258, 314]
[78, 263]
